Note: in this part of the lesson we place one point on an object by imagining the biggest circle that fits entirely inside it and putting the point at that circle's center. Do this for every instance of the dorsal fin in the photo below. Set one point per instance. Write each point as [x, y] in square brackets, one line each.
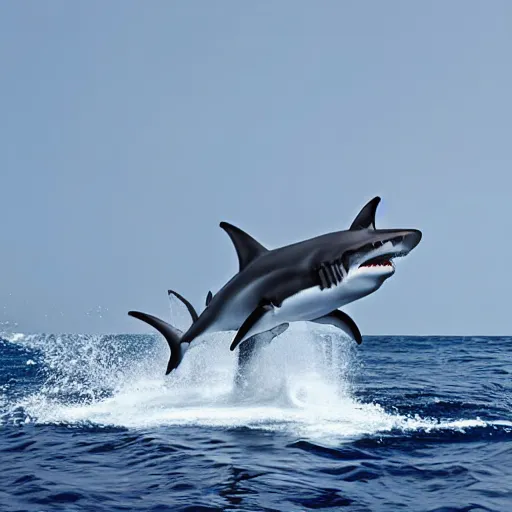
[366, 217]
[246, 247]
[209, 298]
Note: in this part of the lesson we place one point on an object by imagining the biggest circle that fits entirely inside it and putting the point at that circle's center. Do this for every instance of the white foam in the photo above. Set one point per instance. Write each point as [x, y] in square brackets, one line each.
[13, 337]
[300, 383]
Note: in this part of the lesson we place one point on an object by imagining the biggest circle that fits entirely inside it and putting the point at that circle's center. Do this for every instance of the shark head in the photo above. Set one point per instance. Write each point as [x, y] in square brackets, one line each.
[365, 255]
[372, 257]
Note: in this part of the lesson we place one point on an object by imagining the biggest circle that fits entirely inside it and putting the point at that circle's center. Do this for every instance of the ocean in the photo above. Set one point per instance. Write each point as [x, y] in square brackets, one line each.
[90, 423]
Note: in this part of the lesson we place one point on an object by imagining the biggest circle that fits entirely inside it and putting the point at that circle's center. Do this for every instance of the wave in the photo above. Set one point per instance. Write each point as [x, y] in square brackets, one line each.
[301, 384]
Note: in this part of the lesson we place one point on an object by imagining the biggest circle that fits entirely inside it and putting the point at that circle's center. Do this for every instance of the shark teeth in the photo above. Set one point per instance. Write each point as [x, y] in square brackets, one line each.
[386, 263]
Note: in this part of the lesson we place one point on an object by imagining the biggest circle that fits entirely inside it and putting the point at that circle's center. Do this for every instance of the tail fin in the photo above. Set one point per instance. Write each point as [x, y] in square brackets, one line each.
[170, 333]
[190, 308]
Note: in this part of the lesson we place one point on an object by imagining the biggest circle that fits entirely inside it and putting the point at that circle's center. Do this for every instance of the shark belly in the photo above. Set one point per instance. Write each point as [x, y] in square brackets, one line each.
[309, 304]
[312, 303]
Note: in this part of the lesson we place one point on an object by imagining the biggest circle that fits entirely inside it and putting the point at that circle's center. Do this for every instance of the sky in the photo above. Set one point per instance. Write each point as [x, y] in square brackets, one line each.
[130, 129]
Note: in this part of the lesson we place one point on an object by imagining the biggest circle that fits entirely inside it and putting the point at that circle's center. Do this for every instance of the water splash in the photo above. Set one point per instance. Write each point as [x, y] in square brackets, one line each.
[300, 383]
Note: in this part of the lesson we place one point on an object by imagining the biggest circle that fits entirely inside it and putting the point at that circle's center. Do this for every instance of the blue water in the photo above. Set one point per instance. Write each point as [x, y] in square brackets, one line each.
[399, 423]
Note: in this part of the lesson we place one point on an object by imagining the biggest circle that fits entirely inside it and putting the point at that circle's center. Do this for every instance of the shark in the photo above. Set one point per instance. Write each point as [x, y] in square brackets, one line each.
[304, 281]
[173, 336]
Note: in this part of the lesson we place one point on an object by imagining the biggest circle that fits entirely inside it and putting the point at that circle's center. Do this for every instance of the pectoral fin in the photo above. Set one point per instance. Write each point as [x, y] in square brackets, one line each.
[250, 347]
[250, 322]
[343, 322]
[263, 338]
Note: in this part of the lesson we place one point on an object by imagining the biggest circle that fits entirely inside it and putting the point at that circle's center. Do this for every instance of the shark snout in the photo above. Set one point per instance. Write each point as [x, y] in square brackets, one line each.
[411, 238]
[385, 245]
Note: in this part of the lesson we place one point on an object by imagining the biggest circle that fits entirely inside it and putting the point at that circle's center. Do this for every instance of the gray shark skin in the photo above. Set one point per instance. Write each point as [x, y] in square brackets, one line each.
[173, 337]
[305, 281]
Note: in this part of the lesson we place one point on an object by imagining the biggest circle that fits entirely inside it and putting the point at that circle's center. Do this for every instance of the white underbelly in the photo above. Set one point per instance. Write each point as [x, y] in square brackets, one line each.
[312, 303]
[307, 304]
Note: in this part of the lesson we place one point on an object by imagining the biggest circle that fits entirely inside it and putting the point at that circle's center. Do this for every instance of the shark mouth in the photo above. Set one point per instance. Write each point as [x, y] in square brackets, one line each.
[380, 254]
[378, 261]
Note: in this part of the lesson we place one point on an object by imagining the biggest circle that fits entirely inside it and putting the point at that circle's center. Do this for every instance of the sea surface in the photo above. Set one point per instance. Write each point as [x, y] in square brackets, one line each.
[90, 423]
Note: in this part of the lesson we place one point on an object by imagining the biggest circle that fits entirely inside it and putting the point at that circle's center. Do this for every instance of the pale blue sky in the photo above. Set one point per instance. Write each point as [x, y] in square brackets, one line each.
[130, 129]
